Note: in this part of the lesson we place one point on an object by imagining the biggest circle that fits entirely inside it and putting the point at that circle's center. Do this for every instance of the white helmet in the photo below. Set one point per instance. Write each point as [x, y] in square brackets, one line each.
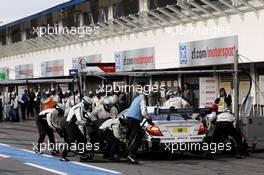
[107, 104]
[87, 102]
[169, 94]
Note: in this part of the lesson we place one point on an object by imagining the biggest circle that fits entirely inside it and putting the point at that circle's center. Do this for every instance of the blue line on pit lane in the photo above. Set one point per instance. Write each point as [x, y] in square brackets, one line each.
[52, 163]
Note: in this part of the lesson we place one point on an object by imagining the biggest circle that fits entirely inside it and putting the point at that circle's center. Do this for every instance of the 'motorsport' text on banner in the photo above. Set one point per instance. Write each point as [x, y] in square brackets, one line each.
[24, 71]
[139, 59]
[52, 68]
[208, 52]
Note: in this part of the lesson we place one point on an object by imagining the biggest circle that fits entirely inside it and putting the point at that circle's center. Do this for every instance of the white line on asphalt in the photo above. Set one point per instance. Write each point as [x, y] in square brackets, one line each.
[95, 167]
[4, 156]
[4, 144]
[46, 155]
[46, 169]
[27, 150]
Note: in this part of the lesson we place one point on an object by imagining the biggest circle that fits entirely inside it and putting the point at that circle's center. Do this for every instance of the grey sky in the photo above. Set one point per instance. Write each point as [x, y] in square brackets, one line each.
[11, 10]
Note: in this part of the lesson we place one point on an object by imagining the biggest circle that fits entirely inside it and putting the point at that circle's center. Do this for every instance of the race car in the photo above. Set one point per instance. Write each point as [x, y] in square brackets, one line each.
[172, 126]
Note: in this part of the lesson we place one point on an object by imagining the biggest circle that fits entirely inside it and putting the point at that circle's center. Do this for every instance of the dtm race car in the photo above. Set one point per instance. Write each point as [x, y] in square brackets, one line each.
[172, 126]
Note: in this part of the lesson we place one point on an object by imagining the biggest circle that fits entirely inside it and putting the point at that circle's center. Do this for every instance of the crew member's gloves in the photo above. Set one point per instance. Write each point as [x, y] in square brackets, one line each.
[149, 120]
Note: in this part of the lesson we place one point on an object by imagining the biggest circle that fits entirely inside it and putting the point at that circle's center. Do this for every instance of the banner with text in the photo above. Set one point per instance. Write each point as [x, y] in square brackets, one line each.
[215, 51]
[80, 62]
[24, 71]
[52, 68]
[139, 59]
[208, 91]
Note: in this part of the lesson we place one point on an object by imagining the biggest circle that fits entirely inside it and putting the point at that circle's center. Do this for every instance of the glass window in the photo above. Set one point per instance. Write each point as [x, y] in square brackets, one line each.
[153, 4]
[87, 18]
[30, 32]
[118, 10]
[15, 35]
[71, 18]
[2, 37]
[125, 7]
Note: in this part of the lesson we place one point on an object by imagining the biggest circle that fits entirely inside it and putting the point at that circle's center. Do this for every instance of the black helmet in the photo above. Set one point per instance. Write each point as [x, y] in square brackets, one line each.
[47, 94]
[90, 94]
[60, 107]
[68, 93]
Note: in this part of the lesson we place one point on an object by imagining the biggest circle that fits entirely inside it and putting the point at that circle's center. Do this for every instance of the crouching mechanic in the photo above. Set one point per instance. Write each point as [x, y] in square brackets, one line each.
[99, 115]
[224, 126]
[47, 122]
[76, 120]
[135, 114]
[111, 132]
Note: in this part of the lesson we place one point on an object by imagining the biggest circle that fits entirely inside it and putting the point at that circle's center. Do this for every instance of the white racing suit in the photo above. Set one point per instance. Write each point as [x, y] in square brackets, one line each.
[224, 127]
[75, 129]
[79, 116]
[47, 122]
[176, 102]
[97, 101]
[68, 104]
[52, 117]
[111, 132]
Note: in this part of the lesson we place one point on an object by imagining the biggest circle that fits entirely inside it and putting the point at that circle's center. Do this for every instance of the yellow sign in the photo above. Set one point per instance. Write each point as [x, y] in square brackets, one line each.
[179, 130]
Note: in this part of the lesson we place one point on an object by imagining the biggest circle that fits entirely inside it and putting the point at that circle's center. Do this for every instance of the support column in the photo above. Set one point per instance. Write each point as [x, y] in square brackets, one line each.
[110, 12]
[253, 92]
[81, 19]
[8, 37]
[143, 5]
[235, 86]
[180, 81]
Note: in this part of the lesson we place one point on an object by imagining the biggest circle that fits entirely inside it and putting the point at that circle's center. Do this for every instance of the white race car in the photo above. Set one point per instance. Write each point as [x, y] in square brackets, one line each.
[171, 127]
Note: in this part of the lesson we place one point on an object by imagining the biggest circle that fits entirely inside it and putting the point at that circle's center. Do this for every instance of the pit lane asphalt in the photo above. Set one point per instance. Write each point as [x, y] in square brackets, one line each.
[22, 135]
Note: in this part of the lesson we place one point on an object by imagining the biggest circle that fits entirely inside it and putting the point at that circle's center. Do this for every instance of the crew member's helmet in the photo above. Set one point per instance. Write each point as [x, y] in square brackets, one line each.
[97, 93]
[87, 103]
[13, 95]
[169, 94]
[102, 92]
[52, 91]
[60, 108]
[90, 94]
[47, 93]
[107, 104]
[68, 93]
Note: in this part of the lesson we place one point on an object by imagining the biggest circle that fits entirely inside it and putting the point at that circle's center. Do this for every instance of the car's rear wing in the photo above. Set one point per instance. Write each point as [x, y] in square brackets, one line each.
[158, 111]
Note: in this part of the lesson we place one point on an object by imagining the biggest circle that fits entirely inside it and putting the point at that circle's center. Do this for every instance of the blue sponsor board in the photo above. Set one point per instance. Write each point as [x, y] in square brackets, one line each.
[183, 54]
[118, 63]
[73, 72]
